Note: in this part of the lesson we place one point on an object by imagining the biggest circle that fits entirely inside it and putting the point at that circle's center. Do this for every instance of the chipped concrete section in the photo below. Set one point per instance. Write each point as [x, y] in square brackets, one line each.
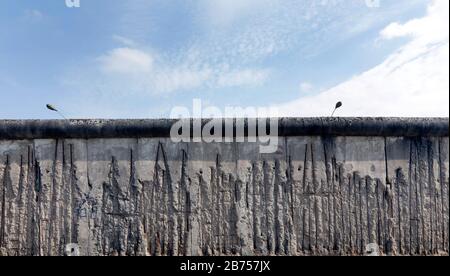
[334, 187]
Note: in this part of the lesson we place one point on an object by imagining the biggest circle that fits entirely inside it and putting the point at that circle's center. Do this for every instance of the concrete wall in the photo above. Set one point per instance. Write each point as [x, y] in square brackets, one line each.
[324, 194]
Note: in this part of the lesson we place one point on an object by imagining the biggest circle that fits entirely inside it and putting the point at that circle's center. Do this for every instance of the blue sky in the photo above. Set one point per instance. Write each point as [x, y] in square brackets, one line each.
[140, 58]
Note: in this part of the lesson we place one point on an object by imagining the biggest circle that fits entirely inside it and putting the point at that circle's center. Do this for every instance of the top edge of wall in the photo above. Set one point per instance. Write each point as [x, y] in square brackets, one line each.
[154, 128]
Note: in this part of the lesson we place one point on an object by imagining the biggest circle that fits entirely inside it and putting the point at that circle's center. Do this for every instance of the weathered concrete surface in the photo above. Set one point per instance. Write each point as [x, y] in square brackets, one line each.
[317, 195]
[88, 129]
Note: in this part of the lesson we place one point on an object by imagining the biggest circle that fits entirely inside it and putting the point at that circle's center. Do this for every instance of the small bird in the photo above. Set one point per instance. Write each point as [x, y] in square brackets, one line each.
[338, 105]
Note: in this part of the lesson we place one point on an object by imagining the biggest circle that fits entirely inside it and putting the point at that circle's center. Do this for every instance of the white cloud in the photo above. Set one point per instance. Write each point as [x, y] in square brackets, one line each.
[7, 82]
[306, 87]
[174, 79]
[125, 41]
[232, 44]
[433, 28]
[33, 15]
[140, 71]
[245, 32]
[244, 77]
[126, 60]
[224, 13]
[414, 81]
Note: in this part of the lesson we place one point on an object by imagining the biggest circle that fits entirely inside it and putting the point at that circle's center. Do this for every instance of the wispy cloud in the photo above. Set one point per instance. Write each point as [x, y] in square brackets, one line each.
[124, 41]
[231, 48]
[236, 78]
[126, 61]
[149, 73]
[411, 82]
[212, 45]
[226, 13]
[253, 30]
[306, 87]
[33, 15]
[7, 82]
